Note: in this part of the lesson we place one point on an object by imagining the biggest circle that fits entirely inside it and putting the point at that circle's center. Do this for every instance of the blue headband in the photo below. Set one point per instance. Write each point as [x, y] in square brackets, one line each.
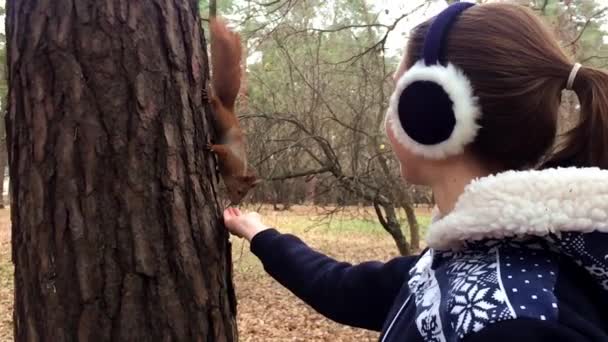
[435, 41]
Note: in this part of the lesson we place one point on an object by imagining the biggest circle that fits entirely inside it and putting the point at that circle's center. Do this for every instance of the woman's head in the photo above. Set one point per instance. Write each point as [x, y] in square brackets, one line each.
[517, 70]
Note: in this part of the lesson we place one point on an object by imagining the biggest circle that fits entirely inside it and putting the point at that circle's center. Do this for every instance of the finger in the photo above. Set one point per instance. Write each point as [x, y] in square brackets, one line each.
[228, 213]
[237, 212]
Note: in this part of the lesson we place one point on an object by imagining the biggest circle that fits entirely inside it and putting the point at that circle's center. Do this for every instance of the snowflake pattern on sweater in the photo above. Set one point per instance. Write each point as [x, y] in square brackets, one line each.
[588, 250]
[427, 296]
[460, 293]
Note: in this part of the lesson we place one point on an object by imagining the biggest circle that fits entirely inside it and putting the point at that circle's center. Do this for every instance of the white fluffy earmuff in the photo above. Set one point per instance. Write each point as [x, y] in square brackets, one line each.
[465, 109]
[433, 111]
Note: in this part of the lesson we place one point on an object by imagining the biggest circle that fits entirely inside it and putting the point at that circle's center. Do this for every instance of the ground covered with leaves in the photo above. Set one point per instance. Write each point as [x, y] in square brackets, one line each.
[269, 312]
[266, 310]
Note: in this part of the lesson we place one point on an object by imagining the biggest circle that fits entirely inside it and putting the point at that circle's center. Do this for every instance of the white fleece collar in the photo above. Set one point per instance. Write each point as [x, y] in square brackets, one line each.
[519, 203]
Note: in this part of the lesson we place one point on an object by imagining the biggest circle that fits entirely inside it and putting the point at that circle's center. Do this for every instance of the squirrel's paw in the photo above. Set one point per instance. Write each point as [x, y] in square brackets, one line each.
[205, 95]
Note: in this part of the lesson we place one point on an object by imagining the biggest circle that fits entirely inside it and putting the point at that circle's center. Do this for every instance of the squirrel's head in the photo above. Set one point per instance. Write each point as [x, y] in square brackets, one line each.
[239, 186]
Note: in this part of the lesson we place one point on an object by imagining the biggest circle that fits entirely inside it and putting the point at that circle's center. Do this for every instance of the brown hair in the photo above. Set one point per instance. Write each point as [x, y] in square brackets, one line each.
[518, 71]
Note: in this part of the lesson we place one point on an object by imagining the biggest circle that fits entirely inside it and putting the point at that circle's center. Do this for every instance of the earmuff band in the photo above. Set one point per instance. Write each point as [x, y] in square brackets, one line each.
[435, 40]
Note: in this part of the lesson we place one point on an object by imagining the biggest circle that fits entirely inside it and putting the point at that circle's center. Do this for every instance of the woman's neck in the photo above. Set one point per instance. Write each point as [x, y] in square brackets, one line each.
[447, 189]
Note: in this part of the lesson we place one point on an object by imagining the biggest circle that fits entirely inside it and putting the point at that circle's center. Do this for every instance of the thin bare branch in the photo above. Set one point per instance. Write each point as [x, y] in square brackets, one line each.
[300, 174]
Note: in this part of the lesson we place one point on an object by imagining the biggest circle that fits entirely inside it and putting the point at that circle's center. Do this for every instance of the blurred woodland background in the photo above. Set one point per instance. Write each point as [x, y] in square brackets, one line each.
[319, 76]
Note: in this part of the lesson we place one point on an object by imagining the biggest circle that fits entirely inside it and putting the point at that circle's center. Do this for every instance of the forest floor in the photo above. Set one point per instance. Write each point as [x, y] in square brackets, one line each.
[267, 311]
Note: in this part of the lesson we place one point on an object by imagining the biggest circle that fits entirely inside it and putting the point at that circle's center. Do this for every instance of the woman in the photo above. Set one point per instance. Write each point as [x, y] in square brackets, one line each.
[520, 246]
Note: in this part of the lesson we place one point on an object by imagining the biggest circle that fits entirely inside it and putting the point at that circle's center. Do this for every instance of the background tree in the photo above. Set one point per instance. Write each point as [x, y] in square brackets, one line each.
[115, 224]
[318, 89]
[319, 84]
[580, 25]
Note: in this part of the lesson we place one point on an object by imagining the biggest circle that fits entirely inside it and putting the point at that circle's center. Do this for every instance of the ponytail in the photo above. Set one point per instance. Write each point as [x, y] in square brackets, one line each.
[518, 70]
[586, 145]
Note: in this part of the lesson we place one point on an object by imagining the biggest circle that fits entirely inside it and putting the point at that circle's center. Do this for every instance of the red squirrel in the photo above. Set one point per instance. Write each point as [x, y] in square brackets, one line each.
[226, 54]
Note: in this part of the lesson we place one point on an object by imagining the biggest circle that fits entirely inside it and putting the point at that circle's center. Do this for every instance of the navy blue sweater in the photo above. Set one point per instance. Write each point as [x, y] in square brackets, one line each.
[484, 294]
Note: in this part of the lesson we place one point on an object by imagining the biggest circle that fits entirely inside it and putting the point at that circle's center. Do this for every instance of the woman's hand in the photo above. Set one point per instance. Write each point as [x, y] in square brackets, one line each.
[243, 225]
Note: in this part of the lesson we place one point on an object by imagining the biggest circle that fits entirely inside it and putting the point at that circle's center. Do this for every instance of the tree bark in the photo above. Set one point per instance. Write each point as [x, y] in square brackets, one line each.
[116, 232]
[3, 153]
[3, 162]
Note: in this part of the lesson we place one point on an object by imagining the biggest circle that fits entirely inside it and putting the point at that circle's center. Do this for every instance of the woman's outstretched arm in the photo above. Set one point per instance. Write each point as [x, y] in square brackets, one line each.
[359, 295]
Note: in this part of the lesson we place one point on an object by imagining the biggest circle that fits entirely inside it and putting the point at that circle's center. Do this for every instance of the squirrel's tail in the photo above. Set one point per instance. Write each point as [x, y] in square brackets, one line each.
[226, 54]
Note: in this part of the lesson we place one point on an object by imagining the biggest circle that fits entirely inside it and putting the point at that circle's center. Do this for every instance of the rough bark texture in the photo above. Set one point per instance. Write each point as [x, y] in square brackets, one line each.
[115, 225]
[3, 162]
[3, 158]
[3, 152]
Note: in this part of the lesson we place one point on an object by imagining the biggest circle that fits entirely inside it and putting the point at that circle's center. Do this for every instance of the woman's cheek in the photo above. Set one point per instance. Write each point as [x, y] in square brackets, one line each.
[392, 139]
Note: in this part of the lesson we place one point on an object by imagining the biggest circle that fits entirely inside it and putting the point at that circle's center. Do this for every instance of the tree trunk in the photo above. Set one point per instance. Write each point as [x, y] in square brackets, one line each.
[403, 197]
[3, 153]
[212, 8]
[405, 200]
[412, 223]
[390, 223]
[116, 232]
[3, 162]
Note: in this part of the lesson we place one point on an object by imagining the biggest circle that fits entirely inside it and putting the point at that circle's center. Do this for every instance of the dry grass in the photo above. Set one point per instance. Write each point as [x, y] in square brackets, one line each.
[267, 311]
